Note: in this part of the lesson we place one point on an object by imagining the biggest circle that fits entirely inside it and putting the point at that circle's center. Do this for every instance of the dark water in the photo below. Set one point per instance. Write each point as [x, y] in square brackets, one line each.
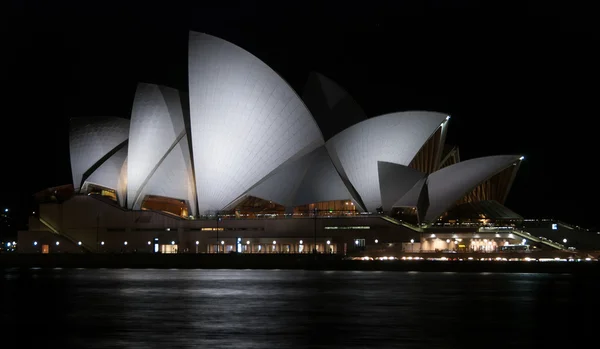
[295, 309]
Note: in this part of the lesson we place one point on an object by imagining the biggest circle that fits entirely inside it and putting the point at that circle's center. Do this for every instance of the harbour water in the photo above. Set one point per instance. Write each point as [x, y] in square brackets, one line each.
[147, 308]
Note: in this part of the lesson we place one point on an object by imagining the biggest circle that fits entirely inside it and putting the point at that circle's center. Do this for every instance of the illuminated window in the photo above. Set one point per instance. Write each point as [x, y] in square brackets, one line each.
[359, 242]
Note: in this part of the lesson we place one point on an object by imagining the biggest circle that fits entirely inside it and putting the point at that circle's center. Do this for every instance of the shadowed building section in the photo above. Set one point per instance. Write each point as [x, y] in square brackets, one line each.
[333, 108]
[484, 212]
[395, 181]
[417, 199]
[310, 179]
[450, 156]
[494, 188]
[245, 119]
[429, 156]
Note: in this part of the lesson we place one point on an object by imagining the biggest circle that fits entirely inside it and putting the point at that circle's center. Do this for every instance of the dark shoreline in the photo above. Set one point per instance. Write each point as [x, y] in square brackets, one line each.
[297, 262]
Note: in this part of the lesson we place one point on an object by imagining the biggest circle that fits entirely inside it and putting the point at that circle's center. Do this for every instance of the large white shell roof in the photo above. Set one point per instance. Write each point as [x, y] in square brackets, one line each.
[451, 183]
[245, 120]
[394, 138]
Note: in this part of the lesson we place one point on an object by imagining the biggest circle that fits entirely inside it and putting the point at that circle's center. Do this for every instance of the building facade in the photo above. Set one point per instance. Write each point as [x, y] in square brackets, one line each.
[246, 152]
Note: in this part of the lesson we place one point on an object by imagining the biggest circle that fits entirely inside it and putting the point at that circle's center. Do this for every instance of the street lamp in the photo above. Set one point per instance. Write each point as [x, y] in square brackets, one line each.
[218, 219]
[315, 237]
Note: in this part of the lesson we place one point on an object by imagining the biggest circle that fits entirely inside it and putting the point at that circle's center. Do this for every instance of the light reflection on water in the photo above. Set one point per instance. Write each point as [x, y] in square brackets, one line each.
[151, 308]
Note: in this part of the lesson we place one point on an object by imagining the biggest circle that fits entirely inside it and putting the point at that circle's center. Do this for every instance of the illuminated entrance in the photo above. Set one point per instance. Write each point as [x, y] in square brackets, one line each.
[94, 189]
[167, 205]
[170, 248]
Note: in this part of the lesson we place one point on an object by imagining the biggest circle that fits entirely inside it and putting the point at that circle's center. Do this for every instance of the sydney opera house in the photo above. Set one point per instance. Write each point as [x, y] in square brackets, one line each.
[241, 163]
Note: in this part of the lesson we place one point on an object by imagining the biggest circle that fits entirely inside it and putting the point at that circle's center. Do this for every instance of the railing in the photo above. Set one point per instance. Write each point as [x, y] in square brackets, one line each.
[402, 223]
[68, 237]
[308, 215]
[525, 235]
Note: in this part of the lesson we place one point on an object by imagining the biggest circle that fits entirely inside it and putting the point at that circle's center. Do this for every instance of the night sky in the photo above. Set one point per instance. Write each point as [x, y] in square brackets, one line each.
[515, 80]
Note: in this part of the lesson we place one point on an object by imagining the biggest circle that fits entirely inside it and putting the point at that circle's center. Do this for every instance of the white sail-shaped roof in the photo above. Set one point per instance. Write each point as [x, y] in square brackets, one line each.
[92, 140]
[173, 178]
[108, 173]
[394, 138]
[157, 127]
[245, 120]
[451, 183]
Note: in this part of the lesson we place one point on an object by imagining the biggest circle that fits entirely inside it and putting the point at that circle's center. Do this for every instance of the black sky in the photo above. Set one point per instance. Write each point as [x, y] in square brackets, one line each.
[516, 80]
